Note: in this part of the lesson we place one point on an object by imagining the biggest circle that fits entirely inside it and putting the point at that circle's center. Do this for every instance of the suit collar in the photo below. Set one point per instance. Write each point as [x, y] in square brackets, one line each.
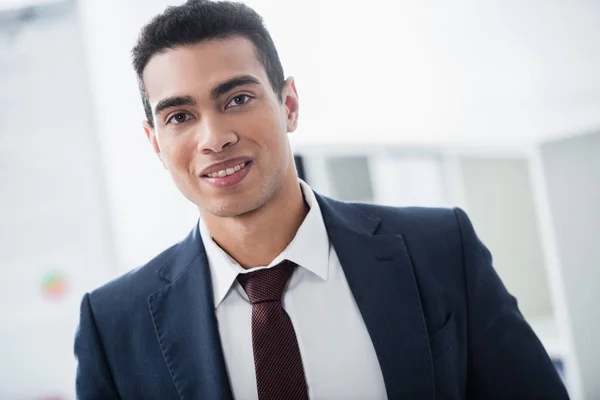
[347, 217]
[336, 215]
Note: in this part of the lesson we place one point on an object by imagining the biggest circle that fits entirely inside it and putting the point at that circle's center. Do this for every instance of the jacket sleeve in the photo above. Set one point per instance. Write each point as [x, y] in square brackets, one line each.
[506, 359]
[94, 379]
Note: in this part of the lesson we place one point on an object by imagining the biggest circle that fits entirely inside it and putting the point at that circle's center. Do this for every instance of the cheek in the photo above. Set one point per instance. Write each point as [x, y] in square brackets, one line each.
[176, 156]
[268, 130]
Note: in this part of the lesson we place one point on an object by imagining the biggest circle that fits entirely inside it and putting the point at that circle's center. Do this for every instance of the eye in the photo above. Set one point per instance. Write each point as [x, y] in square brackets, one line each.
[179, 118]
[239, 100]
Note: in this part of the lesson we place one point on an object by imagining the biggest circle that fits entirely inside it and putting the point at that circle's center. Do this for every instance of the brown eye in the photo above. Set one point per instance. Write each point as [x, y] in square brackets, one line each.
[239, 100]
[179, 118]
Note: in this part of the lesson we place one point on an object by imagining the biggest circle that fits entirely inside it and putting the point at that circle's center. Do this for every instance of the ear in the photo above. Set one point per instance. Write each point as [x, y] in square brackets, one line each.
[151, 135]
[292, 105]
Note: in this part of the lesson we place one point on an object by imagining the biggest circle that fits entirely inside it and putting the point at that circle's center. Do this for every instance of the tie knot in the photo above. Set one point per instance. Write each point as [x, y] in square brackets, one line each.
[267, 284]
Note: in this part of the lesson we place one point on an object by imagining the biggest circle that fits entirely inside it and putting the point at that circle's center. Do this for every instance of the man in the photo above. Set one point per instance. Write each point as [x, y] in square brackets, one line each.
[278, 292]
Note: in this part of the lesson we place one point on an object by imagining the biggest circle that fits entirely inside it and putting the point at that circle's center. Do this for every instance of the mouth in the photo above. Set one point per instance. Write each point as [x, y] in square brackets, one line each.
[229, 176]
[227, 171]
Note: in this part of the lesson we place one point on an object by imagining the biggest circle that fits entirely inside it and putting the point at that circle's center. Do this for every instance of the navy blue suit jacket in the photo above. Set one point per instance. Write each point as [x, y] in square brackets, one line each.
[441, 321]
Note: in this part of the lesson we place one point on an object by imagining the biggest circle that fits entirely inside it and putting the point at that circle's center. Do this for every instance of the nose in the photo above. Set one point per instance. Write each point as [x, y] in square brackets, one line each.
[213, 138]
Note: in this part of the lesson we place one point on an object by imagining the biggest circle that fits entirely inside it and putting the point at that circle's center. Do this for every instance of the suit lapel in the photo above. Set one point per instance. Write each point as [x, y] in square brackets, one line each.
[381, 278]
[186, 325]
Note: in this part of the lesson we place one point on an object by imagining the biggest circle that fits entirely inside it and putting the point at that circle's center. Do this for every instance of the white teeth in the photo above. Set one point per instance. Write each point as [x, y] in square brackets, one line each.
[228, 171]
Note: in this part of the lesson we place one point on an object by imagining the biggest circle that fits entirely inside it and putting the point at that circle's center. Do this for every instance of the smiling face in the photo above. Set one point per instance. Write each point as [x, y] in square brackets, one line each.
[219, 128]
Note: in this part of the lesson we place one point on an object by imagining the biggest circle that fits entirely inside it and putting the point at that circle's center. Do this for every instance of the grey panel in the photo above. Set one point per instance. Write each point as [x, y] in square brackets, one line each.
[499, 199]
[350, 178]
[572, 171]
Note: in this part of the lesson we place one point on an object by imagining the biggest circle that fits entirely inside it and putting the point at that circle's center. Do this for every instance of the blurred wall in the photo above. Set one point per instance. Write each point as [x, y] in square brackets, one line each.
[55, 233]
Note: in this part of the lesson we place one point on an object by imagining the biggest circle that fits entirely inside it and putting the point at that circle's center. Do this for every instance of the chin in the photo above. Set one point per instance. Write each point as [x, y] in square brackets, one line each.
[231, 209]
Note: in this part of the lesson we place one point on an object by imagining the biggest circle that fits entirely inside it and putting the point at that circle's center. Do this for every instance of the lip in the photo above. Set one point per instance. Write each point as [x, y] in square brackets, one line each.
[223, 165]
[229, 180]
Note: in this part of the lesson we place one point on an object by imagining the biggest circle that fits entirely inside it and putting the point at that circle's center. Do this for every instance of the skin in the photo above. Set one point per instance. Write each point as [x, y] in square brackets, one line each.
[254, 220]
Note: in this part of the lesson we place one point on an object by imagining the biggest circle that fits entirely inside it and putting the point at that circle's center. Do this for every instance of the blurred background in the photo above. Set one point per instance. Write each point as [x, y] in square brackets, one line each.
[492, 106]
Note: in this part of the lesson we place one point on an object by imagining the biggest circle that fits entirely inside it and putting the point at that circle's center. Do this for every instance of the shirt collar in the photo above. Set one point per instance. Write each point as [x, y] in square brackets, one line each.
[309, 249]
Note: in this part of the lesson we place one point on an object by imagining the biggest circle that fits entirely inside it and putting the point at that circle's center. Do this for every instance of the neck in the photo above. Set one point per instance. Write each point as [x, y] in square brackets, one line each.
[256, 238]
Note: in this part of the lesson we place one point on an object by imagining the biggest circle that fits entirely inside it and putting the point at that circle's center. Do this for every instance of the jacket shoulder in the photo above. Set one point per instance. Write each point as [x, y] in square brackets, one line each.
[126, 292]
[413, 220]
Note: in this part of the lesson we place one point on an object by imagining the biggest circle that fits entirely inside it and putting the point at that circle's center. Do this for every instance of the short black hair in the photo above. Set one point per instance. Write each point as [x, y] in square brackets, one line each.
[199, 20]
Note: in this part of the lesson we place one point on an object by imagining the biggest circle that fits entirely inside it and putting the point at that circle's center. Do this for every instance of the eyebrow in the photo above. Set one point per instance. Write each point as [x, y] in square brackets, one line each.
[215, 93]
[175, 101]
[231, 84]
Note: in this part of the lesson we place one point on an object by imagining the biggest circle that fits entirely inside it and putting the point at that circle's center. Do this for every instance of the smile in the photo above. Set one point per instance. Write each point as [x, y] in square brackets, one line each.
[228, 177]
[227, 172]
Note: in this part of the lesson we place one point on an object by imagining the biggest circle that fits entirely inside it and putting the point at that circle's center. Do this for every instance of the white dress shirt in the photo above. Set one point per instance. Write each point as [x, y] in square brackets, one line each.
[337, 353]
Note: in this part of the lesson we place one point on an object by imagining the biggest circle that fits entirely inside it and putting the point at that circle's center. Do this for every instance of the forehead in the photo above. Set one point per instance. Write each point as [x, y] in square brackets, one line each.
[195, 69]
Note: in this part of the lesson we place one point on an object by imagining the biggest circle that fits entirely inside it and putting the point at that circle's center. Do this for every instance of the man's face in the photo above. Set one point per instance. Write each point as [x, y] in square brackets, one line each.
[219, 128]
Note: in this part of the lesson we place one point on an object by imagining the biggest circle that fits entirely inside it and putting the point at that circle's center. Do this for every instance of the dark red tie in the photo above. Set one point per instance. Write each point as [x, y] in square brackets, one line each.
[279, 371]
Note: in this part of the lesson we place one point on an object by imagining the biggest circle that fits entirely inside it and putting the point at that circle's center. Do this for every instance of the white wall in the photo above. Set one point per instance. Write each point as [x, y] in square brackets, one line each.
[418, 72]
[53, 212]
